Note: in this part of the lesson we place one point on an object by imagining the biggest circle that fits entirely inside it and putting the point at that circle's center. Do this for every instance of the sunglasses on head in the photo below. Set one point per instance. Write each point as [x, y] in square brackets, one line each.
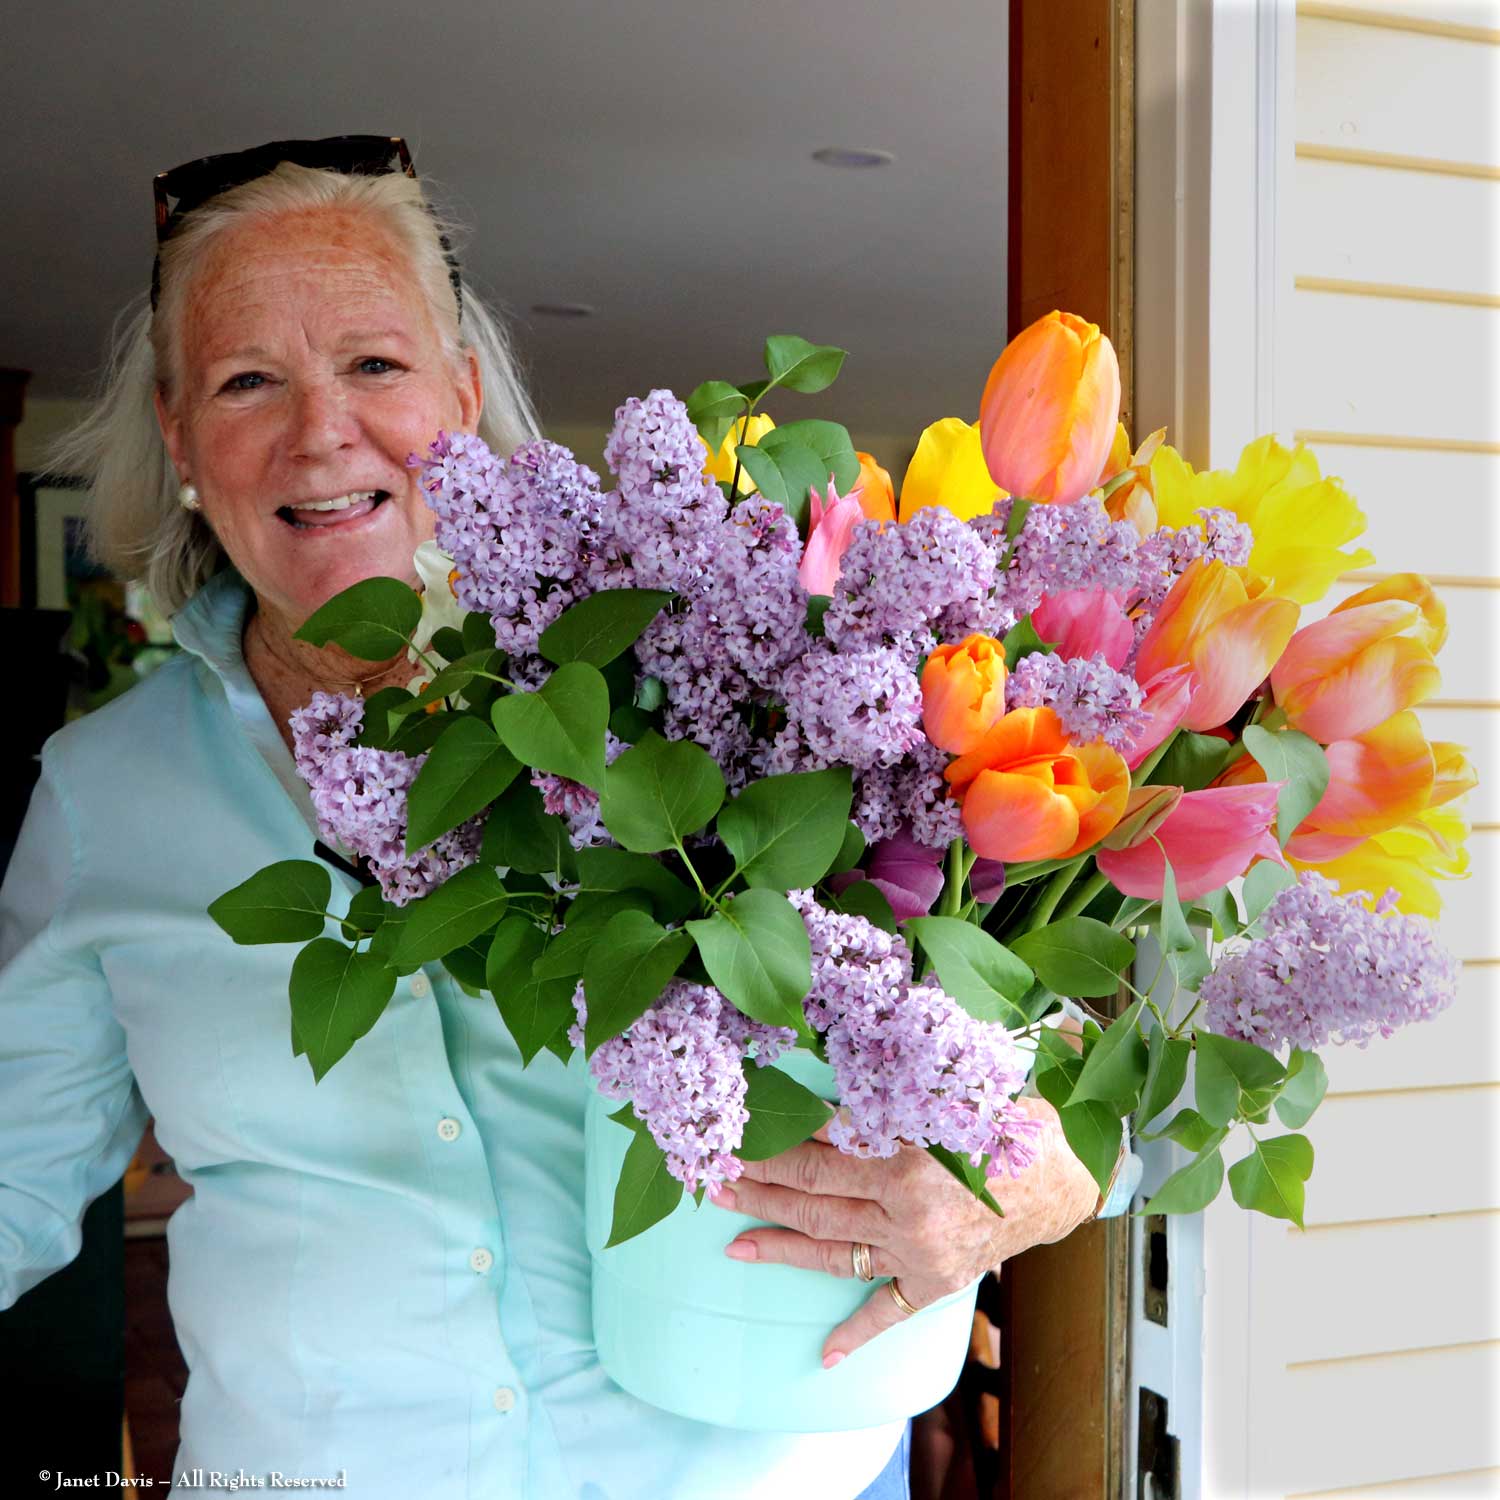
[183, 188]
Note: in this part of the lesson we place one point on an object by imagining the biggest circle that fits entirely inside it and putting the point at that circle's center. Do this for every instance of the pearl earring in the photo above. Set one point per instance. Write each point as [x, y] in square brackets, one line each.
[187, 497]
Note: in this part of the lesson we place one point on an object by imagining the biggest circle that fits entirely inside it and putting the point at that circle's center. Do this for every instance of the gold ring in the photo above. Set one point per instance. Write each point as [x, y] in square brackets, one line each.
[899, 1300]
[859, 1256]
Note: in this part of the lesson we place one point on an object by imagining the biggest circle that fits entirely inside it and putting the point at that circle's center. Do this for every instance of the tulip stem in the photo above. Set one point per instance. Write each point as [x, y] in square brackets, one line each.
[744, 425]
[960, 862]
[1142, 773]
[1056, 889]
[1084, 894]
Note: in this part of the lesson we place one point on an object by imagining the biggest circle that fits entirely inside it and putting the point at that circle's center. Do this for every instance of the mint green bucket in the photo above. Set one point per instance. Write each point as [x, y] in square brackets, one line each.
[683, 1327]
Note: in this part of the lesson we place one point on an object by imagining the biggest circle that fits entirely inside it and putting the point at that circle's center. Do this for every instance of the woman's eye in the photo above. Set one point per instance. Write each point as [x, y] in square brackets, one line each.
[374, 365]
[250, 380]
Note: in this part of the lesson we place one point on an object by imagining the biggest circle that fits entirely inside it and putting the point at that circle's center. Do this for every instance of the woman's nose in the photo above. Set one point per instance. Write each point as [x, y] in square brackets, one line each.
[321, 421]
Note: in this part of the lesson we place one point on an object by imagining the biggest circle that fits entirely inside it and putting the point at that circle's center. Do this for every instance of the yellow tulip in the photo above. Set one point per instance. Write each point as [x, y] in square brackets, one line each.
[1298, 518]
[1412, 857]
[948, 469]
[720, 465]
[1050, 408]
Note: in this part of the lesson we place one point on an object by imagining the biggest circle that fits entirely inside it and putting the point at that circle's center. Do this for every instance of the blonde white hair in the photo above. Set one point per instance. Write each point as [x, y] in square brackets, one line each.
[136, 527]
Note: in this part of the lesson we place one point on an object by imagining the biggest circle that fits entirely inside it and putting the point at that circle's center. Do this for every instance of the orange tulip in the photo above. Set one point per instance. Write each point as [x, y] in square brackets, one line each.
[1049, 410]
[877, 495]
[963, 692]
[1370, 659]
[1029, 794]
[1210, 623]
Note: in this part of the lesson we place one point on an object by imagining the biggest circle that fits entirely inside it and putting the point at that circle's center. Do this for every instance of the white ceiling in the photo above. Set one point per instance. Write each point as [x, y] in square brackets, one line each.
[649, 157]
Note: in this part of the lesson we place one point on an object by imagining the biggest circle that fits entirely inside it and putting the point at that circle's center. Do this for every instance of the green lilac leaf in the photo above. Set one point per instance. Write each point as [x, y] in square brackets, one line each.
[977, 970]
[283, 903]
[1076, 956]
[560, 727]
[1296, 758]
[1271, 1179]
[372, 620]
[786, 831]
[627, 967]
[783, 1113]
[756, 950]
[465, 771]
[600, 626]
[658, 792]
[337, 995]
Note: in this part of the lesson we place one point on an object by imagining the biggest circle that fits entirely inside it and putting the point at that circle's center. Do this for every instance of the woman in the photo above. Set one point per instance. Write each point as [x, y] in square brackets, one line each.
[382, 1276]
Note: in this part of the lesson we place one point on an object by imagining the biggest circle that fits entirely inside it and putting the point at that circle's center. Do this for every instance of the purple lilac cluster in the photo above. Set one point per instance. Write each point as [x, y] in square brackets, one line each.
[897, 583]
[576, 804]
[527, 534]
[911, 1065]
[1093, 700]
[1329, 967]
[1167, 554]
[681, 1067]
[668, 512]
[359, 795]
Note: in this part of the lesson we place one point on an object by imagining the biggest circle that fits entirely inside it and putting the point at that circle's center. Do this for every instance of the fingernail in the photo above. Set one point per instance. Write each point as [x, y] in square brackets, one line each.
[724, 1197]
[830, 1360]
[741, 1250]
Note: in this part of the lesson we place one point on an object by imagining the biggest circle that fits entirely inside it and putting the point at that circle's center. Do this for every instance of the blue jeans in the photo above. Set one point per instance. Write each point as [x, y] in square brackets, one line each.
[894, 1481]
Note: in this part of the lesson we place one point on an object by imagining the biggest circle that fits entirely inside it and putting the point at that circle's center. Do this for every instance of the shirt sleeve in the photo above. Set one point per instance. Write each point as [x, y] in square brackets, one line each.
[71, 1114]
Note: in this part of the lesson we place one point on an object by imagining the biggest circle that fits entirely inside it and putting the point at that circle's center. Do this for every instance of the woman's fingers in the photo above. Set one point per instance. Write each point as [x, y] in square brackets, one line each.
[818, 1216]
[815, 1167]
[789, 1248]
[878, 1312]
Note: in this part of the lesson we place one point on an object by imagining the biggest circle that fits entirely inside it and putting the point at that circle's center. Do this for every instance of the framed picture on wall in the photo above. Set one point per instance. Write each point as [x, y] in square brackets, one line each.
[54, 563]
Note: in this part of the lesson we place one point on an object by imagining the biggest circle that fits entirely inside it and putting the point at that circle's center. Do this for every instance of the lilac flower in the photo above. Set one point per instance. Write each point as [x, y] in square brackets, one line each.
[1328, 968]
[575, 803]
[359, 795]
[857, 708]
[911, 1065]
[526, 534]
[679, 1065]
[911, 795]
[667, 507]
[898, 582]
[1093, 701]
[325, 723]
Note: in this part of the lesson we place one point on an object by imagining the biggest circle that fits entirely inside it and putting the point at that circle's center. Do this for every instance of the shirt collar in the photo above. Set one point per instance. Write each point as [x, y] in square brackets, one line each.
[211, 626]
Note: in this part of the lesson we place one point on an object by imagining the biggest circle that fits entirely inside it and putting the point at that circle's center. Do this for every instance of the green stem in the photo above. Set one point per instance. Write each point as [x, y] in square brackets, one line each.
[1147, 766]
[1182, 1025]
[688, 864]
[1056, 889]
[1085, 893]
[953, 884]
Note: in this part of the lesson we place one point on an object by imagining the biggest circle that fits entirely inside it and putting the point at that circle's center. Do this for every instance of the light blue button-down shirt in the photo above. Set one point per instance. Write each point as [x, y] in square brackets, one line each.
[382, 1275]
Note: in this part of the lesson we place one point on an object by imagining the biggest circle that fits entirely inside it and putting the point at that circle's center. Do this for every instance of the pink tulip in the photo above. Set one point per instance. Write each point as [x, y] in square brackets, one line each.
[1081, 622]
[830, 525]
[908, 874]
[1167, 697]
[1210, 837]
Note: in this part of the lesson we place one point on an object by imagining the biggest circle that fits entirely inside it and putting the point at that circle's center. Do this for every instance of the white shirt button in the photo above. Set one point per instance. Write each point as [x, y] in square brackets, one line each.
[449, 1129]
[505, 1399]
[481, 1260]
[421, 985]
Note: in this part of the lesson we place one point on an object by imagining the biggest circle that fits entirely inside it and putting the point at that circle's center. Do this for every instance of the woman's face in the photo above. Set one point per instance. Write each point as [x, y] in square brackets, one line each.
[310, 367]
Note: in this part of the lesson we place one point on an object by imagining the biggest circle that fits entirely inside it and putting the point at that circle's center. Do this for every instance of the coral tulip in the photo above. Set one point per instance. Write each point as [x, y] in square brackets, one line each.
[721, 465]
[1029, 794]
[877, 496]
[1167, 696]
[830, 525]
[948, 469]
[1375, 781]
[963, 692]
[1231, 641]
[1361, 665]
[1210, 837]
[1298, 519]
[1082, 622]
[1049, 409]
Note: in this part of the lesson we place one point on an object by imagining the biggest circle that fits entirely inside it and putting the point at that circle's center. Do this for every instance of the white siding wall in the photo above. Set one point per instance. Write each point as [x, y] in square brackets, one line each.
[1373, 1337]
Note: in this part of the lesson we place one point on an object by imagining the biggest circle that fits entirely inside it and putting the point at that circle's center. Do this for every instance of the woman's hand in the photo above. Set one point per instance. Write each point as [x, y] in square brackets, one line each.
[920, 1223]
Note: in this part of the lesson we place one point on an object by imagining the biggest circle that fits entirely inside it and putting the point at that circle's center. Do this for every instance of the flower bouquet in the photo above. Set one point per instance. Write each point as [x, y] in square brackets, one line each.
[776, 801]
